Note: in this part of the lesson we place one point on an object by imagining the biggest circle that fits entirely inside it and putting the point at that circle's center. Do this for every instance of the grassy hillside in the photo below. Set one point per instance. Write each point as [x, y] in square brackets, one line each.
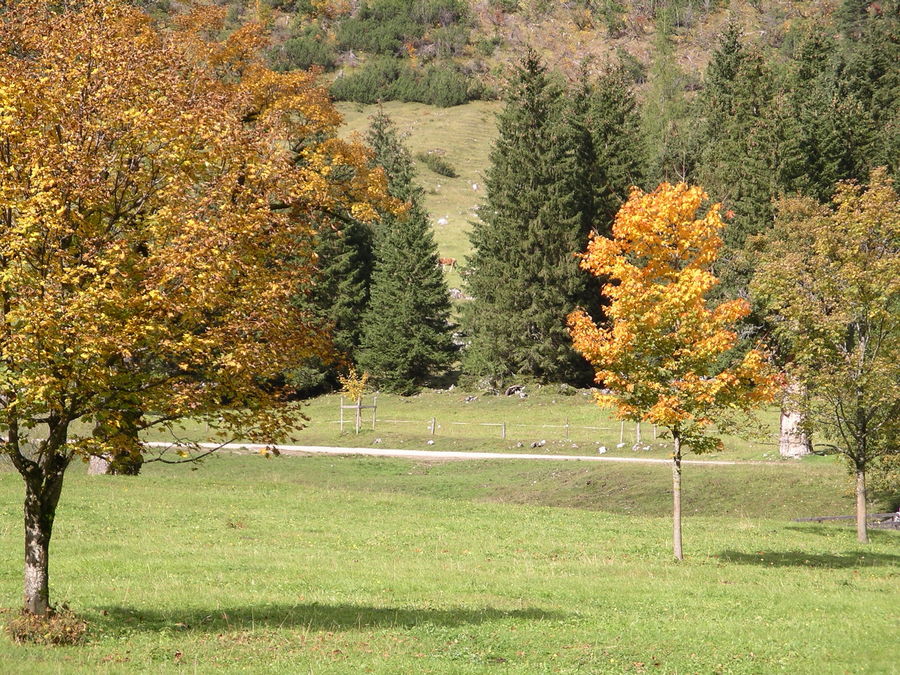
[358, 565]
[463, 136]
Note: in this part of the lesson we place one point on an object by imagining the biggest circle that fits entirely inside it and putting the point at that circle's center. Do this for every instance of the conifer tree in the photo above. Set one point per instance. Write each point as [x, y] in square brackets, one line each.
[611, 151]
[344, 250]
[524, 277]
[666, 114]
[406, 331]
[736, 158]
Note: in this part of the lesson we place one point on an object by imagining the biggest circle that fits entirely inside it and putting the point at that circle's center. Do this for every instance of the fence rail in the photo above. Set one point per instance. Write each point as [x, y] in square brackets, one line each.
[620, 434]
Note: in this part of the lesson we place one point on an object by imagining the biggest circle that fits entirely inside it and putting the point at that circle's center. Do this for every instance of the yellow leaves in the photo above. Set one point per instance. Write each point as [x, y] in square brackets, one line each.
[660, 347]
[353, 384]
[143, 245]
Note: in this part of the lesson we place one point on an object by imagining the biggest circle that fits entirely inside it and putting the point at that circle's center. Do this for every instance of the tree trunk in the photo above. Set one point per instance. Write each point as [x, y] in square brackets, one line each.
[41, 499]
[793, 441]
[676, 499]
[862, 533]
[98, 466]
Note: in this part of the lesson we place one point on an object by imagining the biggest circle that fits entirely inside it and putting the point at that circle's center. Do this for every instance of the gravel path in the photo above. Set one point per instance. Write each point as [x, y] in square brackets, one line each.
[441, 455]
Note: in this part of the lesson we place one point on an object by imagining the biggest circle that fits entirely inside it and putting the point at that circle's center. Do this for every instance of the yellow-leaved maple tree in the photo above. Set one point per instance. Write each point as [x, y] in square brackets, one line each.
[660, 355]
[159, 195]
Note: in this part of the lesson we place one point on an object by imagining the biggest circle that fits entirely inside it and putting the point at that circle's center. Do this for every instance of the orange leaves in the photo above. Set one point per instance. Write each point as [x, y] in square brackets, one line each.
[159, 192]
[659, 353]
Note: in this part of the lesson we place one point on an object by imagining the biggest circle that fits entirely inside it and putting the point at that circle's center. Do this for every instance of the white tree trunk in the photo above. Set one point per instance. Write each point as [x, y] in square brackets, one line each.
[676, 500]
[862, 534]
[793, 441]
[98, 466]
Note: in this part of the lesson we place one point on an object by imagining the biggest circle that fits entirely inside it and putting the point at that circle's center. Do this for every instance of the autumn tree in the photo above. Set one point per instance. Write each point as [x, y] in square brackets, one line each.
[152, 184]
[660, 355]
[830, 280]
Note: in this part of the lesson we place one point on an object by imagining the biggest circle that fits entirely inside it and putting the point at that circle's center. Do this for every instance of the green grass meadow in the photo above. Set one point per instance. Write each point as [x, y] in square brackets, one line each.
[352, 565]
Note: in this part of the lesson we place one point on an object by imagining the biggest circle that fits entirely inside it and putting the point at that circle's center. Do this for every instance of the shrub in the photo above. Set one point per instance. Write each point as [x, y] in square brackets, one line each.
[386, 36]
[445, 86]
[59, 627]
[370, 84]
[449, 40]
[387, 79]
[486, 46]
[385, 26]
[303, 51]
[437, 163]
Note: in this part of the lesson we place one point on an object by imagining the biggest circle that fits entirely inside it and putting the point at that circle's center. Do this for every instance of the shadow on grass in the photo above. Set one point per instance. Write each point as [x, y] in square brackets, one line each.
[806, 559]
[312, 616]
[841, 530]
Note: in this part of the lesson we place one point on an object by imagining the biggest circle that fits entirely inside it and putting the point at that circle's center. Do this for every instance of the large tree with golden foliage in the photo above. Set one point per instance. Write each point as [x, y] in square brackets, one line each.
[153, 186]
[660, 356]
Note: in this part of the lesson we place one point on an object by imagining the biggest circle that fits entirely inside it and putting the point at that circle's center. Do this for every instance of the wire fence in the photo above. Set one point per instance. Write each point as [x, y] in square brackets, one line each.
[616, 435]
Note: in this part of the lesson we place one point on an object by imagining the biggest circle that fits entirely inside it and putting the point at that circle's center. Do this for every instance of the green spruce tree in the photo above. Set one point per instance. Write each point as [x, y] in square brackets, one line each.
[338, 298]
[611, 150]
[735, 155]
[407, 337]
[666, 113]
[523, 274]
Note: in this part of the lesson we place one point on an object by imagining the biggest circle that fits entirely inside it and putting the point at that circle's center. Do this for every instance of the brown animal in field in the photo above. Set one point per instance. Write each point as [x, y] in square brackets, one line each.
[447, 263]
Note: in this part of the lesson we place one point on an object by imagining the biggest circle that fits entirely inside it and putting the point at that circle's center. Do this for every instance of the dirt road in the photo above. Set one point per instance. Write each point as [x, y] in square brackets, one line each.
[442, 455]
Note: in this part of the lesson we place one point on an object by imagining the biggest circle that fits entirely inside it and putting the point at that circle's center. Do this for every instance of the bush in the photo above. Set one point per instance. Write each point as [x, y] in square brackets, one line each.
[388, 79]
[449, 40]
[437, 164]
[379, 36]
[303, 51]
[487, 46]
[57, 627]
[369, 84]
[386, 26]
[445, 86]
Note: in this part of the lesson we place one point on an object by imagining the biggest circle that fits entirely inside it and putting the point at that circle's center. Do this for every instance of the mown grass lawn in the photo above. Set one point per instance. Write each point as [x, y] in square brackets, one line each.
[345, 565]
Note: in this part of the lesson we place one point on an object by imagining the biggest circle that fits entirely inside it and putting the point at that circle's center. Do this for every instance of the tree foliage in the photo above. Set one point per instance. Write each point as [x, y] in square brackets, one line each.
[537, 213]
[152, 186]
[406, 329]
[830, 280]
[659, 356]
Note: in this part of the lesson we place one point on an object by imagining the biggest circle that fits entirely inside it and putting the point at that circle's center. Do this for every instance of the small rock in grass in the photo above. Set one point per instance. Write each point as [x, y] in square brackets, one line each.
[429, 442]
[620, 445]
[601, 450]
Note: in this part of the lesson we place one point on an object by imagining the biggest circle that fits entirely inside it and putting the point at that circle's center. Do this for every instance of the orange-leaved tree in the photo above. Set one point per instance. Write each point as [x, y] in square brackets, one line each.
[661, 356]
[159, 194]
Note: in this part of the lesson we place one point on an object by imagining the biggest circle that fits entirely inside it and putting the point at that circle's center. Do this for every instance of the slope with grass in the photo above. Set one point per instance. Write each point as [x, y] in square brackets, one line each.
[359, 565]
[463, 137]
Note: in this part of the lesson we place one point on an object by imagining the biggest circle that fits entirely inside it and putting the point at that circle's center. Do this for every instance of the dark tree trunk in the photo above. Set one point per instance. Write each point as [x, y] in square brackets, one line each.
[676, 498]
[41, 498]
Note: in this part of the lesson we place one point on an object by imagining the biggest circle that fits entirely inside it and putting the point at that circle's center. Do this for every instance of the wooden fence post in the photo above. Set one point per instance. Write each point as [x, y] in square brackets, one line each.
[637, 433]
[503, 430]
[358, 414]
[342, 414]
[622, 432]
[374, 411]
[432, 426]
